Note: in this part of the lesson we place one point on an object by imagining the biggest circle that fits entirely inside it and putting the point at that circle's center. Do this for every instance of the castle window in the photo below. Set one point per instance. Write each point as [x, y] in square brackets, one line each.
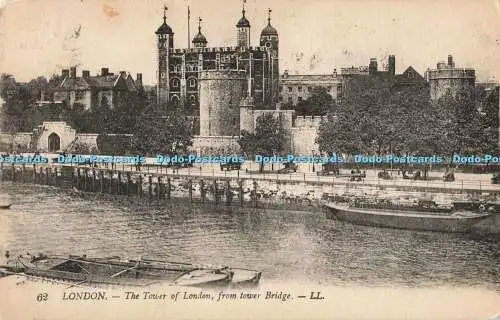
[175, 83]
[178, 68]
[192, 99]
[171, 68]
[300, 99]
[310, 89]
[289, 89]
[410, 75]
[281, 88]
[234, 122]
[79, 94]
[175, 99]
[163, 75]
[299, 88]
[192, 83]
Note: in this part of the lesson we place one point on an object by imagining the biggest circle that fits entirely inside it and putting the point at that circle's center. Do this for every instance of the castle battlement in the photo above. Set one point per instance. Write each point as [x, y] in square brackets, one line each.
[451, 73]
[222, 74]
[218, 50]
[308, 121]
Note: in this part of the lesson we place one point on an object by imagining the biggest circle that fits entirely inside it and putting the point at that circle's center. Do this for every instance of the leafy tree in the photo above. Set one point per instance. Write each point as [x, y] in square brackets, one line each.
[318, 104]
[468, 131]
[267, 140]
[382, 121]
[114, 144]
[159, 132]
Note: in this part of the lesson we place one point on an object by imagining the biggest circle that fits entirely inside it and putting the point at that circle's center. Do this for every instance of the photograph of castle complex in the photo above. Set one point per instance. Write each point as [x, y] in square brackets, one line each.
[250, 159]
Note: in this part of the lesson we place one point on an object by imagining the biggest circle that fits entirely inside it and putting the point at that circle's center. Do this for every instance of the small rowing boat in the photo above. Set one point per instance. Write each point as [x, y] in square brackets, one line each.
[5, 206]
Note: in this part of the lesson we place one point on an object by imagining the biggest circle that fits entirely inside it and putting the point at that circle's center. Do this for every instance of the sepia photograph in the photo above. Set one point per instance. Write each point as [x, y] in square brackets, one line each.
[249, 159]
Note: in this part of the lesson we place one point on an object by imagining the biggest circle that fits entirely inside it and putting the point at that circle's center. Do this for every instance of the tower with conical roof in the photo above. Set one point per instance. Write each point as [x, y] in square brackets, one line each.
[199, 41]
[243, 29]
[165, 41]
[269, 39]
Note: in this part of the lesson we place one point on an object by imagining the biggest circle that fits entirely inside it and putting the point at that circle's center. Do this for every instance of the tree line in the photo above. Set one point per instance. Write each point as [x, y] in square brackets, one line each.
[155, 128]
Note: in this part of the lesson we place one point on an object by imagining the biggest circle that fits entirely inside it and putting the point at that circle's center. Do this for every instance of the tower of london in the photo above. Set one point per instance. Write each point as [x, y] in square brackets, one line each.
[180, 69]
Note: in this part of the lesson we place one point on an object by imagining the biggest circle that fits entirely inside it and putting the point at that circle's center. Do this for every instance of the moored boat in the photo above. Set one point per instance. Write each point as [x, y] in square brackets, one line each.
[401, 218]
[5, 206]
[138, 272]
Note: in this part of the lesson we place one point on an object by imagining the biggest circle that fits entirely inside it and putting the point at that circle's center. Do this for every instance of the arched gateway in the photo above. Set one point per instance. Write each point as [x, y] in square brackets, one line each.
[54, 142]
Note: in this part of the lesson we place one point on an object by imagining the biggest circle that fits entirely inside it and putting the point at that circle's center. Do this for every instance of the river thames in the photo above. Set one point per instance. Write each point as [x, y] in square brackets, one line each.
[288, 247]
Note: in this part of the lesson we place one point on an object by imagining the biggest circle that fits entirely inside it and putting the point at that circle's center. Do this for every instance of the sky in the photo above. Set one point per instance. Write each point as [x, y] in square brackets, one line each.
[40, 37]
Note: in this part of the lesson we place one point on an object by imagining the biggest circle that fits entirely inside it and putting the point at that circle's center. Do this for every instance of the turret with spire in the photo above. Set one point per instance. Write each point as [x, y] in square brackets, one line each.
[165, 39]
[269, 30]
[269, 39]
[243, 27]
[199, 41]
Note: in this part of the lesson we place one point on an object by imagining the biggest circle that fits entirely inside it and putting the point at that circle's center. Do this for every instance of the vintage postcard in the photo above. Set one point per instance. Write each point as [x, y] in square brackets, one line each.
[249, 159]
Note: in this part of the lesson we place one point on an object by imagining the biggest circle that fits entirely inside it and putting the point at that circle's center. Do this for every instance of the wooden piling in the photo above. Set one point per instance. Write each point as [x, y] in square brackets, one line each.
[139, 187]
[1, 168]
[93, 180]
[85, 179]
[110, 185]
[158, 188]
[119, 189]
[23, 169]
[129, 183]
[101, 180]
[190, 186]
[202, 190]
[150, 187]
[78, 178]
[216, 193]
[169, 188]
[229, 193]
[255, 194]
[240, 187]
[41, 176]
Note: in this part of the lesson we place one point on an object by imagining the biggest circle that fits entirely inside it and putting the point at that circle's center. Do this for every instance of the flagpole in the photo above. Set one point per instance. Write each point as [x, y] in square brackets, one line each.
[189, 32]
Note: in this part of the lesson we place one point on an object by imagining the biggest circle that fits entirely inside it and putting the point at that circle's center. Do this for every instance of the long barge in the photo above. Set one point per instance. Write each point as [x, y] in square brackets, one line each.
[458, 221]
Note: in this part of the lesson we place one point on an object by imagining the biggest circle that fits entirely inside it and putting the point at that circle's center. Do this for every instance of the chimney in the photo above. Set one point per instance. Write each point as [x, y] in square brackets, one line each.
[104, 71]
[73, 72]
[285, 74]
[392, 65]
[450, 61]
[65, 73]
[85, 73]
[373, 68]
[138, 80]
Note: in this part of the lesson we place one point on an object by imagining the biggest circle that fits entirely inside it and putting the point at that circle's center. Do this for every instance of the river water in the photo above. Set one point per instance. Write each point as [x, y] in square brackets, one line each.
[289, 247]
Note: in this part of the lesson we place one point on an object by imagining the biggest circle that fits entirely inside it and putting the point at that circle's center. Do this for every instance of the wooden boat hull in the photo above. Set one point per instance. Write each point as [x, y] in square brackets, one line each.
[398, 219]
[5, 206]
[244, 277]
[115, 271]
[204, 278]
